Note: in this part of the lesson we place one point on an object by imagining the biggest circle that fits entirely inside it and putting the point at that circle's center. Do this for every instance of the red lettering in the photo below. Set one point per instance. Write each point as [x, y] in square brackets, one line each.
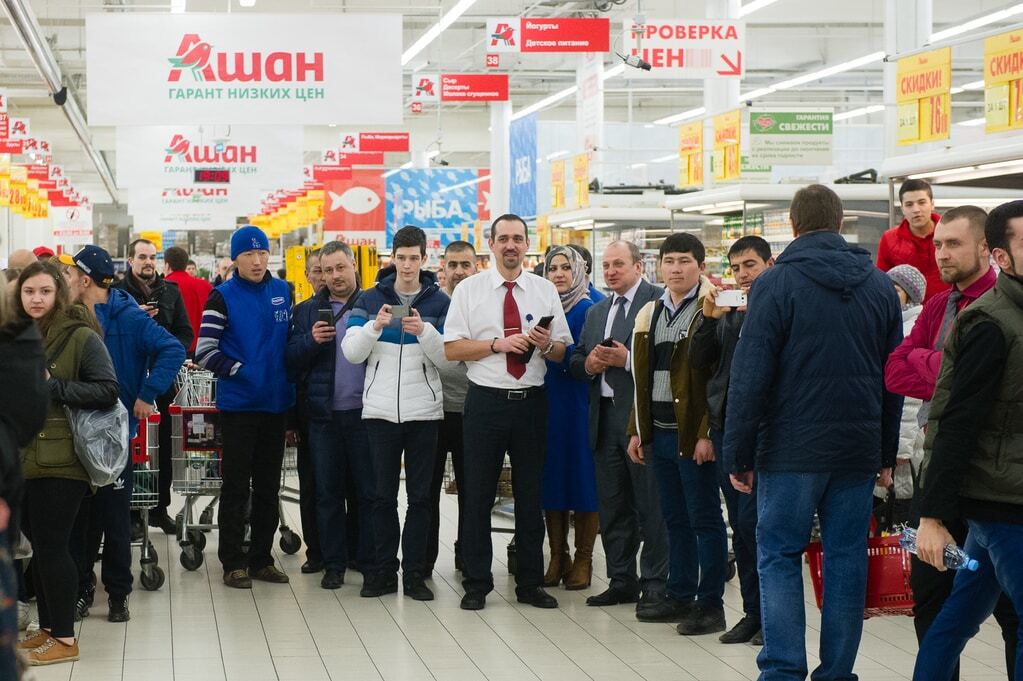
[278, 66]
[247, 154]
[239, 74]
[315, 67]
[675, 59]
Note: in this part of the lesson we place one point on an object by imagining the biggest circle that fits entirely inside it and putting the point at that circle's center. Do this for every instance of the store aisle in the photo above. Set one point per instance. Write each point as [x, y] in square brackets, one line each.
[196, 629]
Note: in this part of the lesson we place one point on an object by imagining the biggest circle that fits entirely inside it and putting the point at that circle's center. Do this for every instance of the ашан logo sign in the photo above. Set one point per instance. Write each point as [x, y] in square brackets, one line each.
[197, 57]
[186, 152]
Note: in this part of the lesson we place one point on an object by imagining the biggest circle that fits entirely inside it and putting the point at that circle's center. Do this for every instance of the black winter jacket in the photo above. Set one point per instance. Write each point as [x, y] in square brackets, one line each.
[172, 315]
[712, 347]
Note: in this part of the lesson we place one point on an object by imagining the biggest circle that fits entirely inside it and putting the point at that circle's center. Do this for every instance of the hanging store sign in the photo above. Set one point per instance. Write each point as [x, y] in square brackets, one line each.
[1003, 82]
[690, 154]
[374, 141]
[557, 185]
[168, 156]
[460, 87]
[72, 224]
[922, 86]
[522, 173]
[548, 34]
[682, 48]
[791, 136]
[159, 69]
[581, 179]
[443, 201]
[727, 141]
[589, 101]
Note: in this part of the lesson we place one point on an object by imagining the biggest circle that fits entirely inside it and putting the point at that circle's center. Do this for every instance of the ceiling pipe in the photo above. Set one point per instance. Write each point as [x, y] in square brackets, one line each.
[25, 24]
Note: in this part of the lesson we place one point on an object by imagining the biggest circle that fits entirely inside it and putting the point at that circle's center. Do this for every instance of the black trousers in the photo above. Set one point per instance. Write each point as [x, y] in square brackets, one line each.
[50, 508]
[931, 588]
[492, 426]
[253, 450]
[105, 518]
[166, 472]
[449, 439]
[307, 497]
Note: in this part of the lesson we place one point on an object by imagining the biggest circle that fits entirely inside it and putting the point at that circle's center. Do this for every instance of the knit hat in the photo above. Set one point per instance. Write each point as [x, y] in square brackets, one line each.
[909, 280]
[248, 238]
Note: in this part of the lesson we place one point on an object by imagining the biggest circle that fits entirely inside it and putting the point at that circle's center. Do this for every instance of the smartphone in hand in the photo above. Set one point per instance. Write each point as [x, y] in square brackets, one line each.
[325, 315]
[731, 298]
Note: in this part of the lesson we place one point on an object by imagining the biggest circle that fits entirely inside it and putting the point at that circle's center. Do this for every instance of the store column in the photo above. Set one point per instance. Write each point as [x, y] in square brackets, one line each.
[719, 94]
[500, 154]
[907, 26]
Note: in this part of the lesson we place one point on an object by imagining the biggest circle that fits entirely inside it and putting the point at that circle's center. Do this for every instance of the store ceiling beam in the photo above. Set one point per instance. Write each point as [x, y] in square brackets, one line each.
[954, 42]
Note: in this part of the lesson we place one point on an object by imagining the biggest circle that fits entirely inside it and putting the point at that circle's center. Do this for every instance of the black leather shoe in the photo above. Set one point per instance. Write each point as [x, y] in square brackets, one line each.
[118, 610]
[311, 567]
[649, 598]
[163, 522]
[758, 639]
[417, 590]
[665, 610]
[332, 579]
[473, 601]
[702, 620]
[459, 563]
[612, 596]
[538, 598]
[375, 586]
[744, 630]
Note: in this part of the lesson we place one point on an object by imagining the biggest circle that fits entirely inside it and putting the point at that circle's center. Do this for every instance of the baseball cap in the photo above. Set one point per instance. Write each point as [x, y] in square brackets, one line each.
[42, 252]
[93, 261]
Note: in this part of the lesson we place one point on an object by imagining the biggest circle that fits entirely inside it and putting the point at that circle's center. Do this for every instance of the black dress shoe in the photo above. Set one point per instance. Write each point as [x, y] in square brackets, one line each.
[702, 620]
[665, 610]
[332, 579]
[744, 630]
[311, 567]
[473, 601]
[649, 598]
[417, 590]
[612, 596]
[163, 522]
[538, 598]
[379, 585]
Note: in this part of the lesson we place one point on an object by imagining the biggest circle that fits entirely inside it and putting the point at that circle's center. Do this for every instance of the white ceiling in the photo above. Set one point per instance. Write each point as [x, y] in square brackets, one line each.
[787, 38]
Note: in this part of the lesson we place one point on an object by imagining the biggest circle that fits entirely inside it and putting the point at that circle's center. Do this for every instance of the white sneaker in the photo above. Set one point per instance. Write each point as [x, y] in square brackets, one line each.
[23, 616]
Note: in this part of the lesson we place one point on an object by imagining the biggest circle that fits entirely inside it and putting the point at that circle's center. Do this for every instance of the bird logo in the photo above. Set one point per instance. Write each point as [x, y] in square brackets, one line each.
[193, 54]
[178, 147]
[504, 33]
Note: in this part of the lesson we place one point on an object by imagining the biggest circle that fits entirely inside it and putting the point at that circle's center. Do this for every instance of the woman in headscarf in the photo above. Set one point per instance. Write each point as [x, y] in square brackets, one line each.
[569, 484]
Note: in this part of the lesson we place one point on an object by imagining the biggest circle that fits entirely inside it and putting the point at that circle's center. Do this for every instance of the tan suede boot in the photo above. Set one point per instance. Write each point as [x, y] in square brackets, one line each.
[557, 535]
[586, 526]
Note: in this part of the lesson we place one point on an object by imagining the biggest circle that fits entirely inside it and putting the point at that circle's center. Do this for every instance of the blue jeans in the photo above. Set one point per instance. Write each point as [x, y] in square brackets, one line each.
[742, 518]
[786, 504]
[697, 539]
[998, 547]
[339, 447]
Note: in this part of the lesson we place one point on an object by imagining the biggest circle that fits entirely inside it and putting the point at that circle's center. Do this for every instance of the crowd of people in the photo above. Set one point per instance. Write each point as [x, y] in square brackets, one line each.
[638, 416]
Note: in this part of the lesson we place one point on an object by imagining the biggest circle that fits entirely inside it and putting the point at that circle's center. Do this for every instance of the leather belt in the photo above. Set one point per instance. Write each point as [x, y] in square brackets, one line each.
[506, 394]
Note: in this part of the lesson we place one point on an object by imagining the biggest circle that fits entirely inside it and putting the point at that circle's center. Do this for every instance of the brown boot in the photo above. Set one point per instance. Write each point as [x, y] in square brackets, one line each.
[586, 525]
[557, 535]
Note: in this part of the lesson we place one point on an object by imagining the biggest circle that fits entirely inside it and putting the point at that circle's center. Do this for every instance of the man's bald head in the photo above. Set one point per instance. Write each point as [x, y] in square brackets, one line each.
[20, 259]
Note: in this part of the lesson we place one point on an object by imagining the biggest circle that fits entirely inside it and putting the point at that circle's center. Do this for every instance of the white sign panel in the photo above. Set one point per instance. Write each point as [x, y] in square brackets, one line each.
[168, 156]
[193, 221]
[158, 69]
[222, 201]
[683, 48]
[426, 87]
[589, 101]
[72, 225]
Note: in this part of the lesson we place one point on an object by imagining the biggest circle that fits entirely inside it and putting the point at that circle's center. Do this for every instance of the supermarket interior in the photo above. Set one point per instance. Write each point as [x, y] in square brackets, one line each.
[594, 122]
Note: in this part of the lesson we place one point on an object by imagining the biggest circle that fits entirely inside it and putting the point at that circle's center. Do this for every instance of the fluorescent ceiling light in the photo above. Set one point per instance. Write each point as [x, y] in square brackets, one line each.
[751, 7]
[449, 18]
[247, 3]
[820, 74]
[856, 113]
[433, 154]
[557, 154]
[467, 183]
[968, 26]
[636, 165]
[974, 85]
[941, 173]
[613, 71]
[403, 166]
[684, 116]
[177, 6]
[545, 102]
[972, 121]
[662, 159]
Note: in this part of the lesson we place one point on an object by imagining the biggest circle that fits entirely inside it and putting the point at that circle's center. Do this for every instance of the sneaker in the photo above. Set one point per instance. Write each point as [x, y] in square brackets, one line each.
[53, 652]
[23, 616]
[238, 579]
[34, 641]
[81, 608]
[117, 610]
[417, 590]
[332, 579]
[271, 574]
[701, 620]
[743, 631]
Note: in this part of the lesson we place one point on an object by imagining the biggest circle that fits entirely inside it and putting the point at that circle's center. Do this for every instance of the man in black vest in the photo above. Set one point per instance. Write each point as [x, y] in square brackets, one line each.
[626, 493]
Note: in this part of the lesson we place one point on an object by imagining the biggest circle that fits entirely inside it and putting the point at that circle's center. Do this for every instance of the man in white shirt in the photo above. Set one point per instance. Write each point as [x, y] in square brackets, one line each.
[627, 497]
[494, 326]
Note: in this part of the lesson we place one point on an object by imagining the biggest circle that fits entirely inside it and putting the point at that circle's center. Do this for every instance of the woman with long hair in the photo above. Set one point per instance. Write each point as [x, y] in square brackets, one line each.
[79, 374]
[569, 482]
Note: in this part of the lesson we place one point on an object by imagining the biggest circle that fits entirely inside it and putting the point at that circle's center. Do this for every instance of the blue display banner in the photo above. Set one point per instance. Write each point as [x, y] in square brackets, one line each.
[443, 201]
[522, 173]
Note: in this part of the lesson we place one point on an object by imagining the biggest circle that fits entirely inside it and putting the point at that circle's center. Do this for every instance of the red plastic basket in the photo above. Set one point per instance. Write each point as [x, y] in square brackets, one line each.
[888, 566]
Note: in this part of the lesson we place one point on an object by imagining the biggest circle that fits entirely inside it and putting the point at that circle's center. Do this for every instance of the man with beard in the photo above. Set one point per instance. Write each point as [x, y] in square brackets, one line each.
[963, 258]
[160, 299]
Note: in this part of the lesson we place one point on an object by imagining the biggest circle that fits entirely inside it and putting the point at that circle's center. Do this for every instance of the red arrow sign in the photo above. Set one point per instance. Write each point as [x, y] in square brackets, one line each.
[734, 68]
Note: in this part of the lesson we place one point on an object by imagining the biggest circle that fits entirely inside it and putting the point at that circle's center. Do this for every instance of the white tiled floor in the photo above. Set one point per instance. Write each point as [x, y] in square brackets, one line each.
[196, 629]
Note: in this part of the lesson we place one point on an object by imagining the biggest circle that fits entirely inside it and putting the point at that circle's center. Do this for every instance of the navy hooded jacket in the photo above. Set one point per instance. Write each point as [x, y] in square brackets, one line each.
[146, 357]
[809, 364]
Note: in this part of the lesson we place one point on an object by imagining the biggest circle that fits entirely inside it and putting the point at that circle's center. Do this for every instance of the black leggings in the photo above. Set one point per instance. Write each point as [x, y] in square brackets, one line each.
[51, 505]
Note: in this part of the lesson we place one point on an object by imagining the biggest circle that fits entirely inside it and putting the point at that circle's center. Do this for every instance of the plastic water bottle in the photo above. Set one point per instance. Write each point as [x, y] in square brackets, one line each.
[955, 557]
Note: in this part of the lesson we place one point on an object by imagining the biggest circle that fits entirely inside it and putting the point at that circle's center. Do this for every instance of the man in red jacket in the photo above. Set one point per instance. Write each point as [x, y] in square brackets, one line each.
[963, 260]
[194, 291]
[912, 242]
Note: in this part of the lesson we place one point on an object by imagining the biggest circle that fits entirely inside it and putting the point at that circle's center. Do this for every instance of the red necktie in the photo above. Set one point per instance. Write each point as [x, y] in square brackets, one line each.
[512, 326]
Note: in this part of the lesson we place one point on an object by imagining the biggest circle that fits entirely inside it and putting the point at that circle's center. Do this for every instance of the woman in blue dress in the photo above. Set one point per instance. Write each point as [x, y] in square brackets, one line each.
[568, 483]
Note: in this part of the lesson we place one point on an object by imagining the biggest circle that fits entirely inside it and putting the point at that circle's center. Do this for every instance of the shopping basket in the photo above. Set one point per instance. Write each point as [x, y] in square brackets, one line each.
[888, 567]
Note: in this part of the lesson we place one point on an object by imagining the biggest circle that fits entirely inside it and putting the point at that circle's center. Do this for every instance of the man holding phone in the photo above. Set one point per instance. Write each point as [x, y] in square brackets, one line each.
[395, 328]
[712, 348]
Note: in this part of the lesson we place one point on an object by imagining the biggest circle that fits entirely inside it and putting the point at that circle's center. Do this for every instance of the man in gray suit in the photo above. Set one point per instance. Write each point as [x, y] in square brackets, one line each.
[626, 494]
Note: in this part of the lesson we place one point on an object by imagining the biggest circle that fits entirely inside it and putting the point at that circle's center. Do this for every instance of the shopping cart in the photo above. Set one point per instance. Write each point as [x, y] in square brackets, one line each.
[290, 542]
[145, 494]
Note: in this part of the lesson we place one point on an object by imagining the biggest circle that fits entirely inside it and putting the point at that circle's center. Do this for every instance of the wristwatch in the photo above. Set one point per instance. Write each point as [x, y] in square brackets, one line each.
[546, 351]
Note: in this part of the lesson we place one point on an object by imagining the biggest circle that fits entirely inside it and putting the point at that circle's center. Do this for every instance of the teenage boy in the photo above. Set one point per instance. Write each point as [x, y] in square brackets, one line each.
[912, 241]
[712, 349]
[669, 422]
[402, 406]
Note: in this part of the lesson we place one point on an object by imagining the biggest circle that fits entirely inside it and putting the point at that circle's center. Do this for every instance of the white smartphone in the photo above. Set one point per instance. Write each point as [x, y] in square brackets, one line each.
[732, 298]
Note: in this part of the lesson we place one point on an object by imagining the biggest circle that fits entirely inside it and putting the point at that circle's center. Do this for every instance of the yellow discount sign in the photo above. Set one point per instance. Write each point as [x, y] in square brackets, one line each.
[557, 185]
[727, 139]
[690, 154]
[1003, 82]
[581, 179]
[922, 85]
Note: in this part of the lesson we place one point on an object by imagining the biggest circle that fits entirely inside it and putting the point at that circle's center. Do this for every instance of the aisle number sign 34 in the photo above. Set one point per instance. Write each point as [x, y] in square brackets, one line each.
[923, 82]
[1003, 82]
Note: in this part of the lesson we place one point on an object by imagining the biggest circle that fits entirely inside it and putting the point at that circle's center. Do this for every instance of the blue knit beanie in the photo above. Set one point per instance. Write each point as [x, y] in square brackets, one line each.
[248, 238]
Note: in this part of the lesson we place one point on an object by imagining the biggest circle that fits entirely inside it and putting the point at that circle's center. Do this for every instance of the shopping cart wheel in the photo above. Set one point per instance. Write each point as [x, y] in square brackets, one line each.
[198, 539]
[154, 557]
[152, 578]
[191, 558]
[290, 542]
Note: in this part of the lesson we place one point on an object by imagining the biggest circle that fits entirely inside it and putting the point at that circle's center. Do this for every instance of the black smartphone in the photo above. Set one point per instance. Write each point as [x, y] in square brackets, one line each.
[155, 303]
[608, 342]
[325, 315]
[544, 323]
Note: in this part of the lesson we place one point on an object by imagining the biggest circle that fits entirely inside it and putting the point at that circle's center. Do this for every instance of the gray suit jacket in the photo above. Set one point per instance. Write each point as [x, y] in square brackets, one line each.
[620, 380]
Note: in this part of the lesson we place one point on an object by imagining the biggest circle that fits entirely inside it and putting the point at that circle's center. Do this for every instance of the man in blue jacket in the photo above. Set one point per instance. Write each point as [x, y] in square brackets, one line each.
[146, 359]
[809, 366]
[242, 340]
